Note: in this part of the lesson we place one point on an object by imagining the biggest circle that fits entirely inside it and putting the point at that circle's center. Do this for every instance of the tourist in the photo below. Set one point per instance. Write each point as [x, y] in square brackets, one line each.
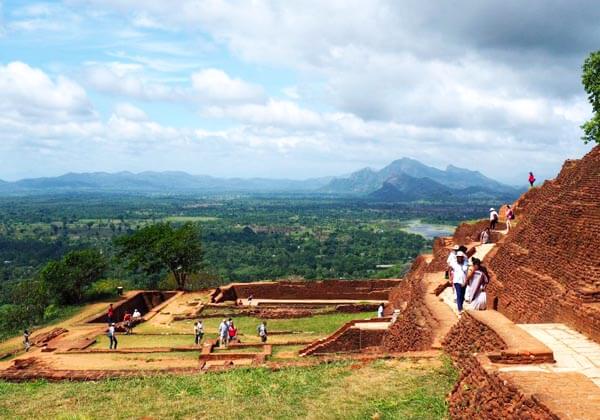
[250, 300]
[493, 218]
[459, 275]
[380, 311]
[198, 331]
[531, 179]
[109, 313]
[484, 238]
[232, 331]
[26, 342]
[451, 258]
[127, 322]
[136, 315]
[510, 215]
[223, 333]
[478, 279]
[112, 336]
[262, 331]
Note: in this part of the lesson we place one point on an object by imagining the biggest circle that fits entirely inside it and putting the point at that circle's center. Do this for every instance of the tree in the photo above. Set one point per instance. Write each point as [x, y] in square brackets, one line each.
[161, 246]
[67, 278]
[591, 83]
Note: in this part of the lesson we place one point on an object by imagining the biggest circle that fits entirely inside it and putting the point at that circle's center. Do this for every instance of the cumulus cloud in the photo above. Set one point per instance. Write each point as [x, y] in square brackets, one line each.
[30, 93]
[215, 86]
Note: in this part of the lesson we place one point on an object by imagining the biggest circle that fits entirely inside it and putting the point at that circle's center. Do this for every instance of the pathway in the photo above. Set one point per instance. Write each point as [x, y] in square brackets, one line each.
[573, 351]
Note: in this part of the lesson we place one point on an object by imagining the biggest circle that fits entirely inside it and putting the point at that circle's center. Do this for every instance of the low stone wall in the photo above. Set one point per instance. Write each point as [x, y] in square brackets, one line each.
[318, 290]
[411, 331]
[479, 393]
[469, 336]
[352, 340]
[142, 301]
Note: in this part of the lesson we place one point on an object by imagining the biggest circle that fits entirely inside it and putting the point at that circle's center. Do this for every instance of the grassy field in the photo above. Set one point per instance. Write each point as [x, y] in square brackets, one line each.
[318, 324]
[390, 389]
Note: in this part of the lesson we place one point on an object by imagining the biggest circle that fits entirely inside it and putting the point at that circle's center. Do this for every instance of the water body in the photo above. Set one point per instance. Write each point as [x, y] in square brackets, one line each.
[427, 230]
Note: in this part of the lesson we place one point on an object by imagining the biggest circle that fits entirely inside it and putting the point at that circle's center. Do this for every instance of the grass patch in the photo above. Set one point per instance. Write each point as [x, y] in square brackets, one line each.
[393, 389]
[285, 352]
[136, 341]
[315, 325]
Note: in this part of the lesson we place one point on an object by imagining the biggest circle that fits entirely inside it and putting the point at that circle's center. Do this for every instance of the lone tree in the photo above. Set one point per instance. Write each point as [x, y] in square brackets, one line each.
[159, 246]
[67, 278]
[591, 83]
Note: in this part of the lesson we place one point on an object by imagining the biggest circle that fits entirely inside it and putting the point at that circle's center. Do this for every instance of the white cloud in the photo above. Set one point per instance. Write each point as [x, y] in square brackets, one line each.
[31, 93]
[216, 86]
[273, 113]
[130, 112]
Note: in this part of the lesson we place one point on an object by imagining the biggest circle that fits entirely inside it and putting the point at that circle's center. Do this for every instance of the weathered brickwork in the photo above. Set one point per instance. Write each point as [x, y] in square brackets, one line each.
[412, 330]
[547, 269]
[327, 289]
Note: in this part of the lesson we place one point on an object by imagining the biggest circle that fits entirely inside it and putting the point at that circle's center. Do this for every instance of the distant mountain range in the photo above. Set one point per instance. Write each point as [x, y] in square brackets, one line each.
[403, 180]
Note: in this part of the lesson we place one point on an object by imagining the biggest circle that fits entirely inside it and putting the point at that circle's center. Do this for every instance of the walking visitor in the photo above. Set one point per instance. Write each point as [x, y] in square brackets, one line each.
[478, 279]
[493, 218]
[198, 331]
[510, 216]
[380, 311]
[112, 336]
[531, 179]
[109, 313]
[262, 331]
[127, 322]
[223, 333]
[459, 277]
[484, 237]
[232, 331]
[26, 342]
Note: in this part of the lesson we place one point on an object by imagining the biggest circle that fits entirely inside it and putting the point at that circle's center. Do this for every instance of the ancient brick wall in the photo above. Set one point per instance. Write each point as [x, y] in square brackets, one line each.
[327, 289]
[469, 336]
[411, 330]
[547, 269]
[351, 340]
[142, 301]
[479, 394]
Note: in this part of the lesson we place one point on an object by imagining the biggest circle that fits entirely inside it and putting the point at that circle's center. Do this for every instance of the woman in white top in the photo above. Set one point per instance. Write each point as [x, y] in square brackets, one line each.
[459, 278]
[478, 280]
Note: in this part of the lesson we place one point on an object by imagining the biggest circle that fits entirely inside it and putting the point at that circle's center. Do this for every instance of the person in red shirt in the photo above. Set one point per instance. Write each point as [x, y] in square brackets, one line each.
[531, 179]
[232, 332]
[110, 313]
[127, 322]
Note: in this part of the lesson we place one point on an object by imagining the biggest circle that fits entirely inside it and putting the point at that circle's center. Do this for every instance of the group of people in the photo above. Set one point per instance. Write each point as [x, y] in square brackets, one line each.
[509, 215]
[228, 332]
[129, 320]
[469, 282]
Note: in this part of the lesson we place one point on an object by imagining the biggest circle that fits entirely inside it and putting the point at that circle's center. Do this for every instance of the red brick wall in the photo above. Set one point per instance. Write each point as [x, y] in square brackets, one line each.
[327, 289]
[411, 330]
[548, 268]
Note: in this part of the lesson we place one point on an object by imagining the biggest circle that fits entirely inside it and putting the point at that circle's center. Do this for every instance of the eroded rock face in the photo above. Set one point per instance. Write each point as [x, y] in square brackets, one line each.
[548, 268]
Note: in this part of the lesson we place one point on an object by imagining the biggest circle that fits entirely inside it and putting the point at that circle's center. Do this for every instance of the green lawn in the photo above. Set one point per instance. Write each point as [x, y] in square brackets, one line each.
[135, 340]
[318, 324]
[391, 389]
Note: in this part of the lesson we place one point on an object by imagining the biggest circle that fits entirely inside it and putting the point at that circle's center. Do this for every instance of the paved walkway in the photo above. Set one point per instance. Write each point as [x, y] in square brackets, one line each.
[573, 351]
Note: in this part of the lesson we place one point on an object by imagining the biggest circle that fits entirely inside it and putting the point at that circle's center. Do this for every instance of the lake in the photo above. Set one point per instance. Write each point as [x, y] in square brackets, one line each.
[428, 230]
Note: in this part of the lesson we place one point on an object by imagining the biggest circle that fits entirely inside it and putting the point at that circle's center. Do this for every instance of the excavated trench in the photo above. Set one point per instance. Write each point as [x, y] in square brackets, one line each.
[142, 301]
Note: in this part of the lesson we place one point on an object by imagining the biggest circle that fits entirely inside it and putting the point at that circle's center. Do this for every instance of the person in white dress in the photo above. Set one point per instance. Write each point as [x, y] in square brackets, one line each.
[478, 281]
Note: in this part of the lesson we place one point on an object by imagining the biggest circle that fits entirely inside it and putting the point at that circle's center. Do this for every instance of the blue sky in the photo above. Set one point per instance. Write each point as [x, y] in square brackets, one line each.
[291, 89]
